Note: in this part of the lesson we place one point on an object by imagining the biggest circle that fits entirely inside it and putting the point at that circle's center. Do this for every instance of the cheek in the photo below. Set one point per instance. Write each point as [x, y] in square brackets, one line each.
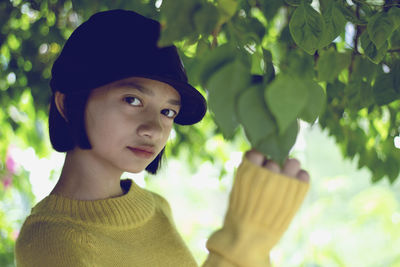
[167, 133]
[102, 128]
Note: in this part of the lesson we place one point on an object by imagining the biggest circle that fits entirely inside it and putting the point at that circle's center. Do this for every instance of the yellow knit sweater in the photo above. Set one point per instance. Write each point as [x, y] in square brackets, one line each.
[137, 229]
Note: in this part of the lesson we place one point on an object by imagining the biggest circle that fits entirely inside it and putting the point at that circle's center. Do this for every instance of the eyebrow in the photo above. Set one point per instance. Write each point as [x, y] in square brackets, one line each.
[146, 91]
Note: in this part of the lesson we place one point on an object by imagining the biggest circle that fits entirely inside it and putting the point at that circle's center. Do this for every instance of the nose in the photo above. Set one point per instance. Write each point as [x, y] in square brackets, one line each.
[150, 126]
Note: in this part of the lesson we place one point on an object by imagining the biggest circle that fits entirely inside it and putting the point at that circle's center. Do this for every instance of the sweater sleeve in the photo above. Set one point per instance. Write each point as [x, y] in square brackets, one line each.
[261, 206]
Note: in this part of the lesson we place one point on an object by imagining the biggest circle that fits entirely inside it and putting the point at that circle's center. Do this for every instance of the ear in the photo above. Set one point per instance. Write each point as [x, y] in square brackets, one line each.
[59, 100]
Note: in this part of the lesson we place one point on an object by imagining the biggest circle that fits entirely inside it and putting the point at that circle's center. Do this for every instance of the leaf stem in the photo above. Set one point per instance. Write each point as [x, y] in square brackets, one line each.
[215, 36]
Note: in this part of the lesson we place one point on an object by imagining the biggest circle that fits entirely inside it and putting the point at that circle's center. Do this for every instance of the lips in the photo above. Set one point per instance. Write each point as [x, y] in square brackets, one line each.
[142, 152]
[148, 149]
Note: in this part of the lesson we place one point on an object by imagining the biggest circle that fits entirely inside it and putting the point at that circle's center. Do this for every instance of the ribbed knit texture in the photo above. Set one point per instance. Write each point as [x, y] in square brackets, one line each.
[137, 229]
[261, 206]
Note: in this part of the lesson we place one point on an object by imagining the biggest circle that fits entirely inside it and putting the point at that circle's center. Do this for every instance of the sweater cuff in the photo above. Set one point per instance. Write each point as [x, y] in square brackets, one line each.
[262, 204]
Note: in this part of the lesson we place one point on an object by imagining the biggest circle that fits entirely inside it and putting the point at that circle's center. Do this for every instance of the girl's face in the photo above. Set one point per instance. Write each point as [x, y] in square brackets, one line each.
[127, 114]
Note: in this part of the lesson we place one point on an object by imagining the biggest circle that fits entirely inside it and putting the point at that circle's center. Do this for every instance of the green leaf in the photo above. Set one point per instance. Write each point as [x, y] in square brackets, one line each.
[255, 26]
[392, 168]
[350, 15]
[214, 60]
[246, 30]
[383, 90]
[334, 90]
[315, 103]
[370, 50]
[278, 146]
[364, 69]
[359, 94]
[257, 63]
[254, 115]
[203, 46]
[351, 147]
[364, 159]
[394, 14]
[365, 9]
[286, 97]
[379, 28]
[366, 95]
[334, 23]
[378, 172]
[395, 70]
[395, 39]
[270, 8]
[306, 27]
[224, 87]
[331, 63]
[206, 19]
[269, 66]
[285, 38]
[296, 2]
[178, 20]
[298, 63]
[227, 9]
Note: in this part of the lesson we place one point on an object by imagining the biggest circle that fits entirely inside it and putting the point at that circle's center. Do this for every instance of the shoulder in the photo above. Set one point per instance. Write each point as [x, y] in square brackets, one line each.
[51, 228]
[163, 205]
[161, 202]
[47, 241]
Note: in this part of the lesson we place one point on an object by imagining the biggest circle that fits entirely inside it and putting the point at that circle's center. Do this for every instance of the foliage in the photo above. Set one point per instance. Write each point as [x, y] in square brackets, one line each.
[297, 53]
[263, 65]
[299, 56]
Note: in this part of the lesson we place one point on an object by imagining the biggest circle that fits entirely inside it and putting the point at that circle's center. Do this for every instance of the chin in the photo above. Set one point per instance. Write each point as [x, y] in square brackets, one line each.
[134, 170]
[138, 171]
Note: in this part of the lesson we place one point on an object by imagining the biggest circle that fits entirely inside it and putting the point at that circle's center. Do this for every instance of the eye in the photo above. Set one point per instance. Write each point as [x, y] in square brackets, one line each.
[131, 99]
[171, 112]
[134, 101]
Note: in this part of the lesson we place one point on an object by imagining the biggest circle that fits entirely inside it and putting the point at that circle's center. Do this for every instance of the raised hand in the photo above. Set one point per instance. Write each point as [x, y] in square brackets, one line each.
[261, 208]
[291, 168]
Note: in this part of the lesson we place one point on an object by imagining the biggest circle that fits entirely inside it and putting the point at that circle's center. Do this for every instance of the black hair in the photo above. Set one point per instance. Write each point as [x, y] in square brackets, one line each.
[66, 135]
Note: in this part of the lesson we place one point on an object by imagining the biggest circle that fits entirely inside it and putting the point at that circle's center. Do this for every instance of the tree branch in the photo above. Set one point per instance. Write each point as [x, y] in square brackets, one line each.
[215, 36]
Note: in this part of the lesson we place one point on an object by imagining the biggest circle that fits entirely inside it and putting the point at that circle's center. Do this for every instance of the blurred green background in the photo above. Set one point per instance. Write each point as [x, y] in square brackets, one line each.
[346, 219]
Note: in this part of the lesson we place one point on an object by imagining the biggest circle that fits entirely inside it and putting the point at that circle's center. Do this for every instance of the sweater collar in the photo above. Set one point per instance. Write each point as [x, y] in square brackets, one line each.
[135, 207]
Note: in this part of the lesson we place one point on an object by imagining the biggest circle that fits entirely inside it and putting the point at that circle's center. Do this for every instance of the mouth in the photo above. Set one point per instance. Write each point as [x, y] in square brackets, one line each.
[141, 152]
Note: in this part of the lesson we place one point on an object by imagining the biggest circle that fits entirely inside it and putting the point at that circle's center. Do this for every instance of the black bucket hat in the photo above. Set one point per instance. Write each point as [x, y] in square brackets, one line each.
[117, 44]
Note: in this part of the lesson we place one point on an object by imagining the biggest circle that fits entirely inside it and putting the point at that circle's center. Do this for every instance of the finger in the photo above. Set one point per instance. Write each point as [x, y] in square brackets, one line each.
[272, 166]
[291, 167]
[255, 157]
[302, 175]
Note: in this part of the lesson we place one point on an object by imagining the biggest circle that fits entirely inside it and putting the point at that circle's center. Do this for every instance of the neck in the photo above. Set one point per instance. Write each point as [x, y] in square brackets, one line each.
[84, 177]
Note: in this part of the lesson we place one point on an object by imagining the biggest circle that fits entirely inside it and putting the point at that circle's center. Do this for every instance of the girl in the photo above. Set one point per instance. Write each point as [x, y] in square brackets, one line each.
[115, 98]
